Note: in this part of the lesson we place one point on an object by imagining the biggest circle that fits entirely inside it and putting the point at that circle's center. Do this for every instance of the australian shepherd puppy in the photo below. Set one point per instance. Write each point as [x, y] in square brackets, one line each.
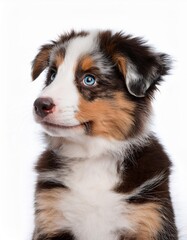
[103, 175]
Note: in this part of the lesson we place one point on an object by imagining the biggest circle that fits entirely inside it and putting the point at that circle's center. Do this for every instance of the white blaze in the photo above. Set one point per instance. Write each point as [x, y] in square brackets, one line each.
[63, 90]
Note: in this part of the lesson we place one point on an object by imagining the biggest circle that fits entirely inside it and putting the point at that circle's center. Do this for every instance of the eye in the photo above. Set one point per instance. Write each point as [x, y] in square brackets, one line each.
[89, 80]
[53, 74]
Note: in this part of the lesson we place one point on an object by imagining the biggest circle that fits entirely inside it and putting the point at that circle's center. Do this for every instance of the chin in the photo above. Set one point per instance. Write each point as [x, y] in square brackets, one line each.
[65, 132]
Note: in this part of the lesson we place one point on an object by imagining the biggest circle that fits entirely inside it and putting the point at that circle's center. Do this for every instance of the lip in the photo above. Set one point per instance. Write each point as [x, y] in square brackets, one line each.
[49, 124]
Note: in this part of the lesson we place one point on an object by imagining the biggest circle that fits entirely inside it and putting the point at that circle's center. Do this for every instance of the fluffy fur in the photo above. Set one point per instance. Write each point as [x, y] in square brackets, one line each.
[103, 175]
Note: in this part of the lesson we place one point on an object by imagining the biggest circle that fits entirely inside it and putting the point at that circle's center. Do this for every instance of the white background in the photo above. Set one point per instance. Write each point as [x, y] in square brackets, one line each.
[24, 26]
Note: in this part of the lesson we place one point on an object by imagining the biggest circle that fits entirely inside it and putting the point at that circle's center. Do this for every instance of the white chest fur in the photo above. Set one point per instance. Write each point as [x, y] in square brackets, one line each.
[91, 209]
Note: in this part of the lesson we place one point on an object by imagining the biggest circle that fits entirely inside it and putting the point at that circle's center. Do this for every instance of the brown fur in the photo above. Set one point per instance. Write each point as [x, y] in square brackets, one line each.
[58, 60]
[48, 216]
[41, 61]
[86, 63]
[148, 220]
[108, 117]
[121, 62]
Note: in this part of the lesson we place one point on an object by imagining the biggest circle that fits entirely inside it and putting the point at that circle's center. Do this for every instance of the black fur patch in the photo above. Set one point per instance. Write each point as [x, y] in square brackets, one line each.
[49, 185]
[48, 161]
[144, 164]
[141, 60]
[60, 236]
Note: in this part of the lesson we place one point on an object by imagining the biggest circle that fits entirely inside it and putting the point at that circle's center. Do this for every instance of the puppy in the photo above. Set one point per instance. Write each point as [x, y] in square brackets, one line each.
[103, 175]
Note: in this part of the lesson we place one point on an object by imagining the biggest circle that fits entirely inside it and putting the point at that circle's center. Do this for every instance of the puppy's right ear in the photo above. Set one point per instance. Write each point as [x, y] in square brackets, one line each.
[41, 60]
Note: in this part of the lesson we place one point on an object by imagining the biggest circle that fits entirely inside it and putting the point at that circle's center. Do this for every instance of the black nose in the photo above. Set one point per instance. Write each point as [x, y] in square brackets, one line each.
[43, 106]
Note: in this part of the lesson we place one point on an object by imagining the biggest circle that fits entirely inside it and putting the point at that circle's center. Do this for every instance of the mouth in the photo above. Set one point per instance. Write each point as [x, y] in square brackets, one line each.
[58, 126]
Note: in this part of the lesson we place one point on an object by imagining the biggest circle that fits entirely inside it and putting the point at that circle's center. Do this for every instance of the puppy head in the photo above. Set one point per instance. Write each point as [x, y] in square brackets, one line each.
[98, 84]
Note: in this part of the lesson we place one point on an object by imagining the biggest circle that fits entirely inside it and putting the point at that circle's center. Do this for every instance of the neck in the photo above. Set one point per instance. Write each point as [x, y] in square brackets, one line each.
[93, 147]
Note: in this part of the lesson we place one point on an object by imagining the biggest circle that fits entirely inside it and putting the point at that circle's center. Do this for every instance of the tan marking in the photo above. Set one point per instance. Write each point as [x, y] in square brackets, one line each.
[49, 218]
[86, 63]
[147, 219]
[111, 118]
[121, 62]
[58, 60]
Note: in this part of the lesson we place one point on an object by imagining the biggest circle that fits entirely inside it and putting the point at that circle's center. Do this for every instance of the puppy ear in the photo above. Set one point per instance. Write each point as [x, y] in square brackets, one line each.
[141, 66]
[41, 60]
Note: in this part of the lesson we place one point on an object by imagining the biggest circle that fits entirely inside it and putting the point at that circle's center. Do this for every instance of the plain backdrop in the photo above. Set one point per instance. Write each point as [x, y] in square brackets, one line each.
[24, 26]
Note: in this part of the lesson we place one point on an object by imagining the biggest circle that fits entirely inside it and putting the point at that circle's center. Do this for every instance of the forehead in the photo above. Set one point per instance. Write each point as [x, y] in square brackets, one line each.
[76, 48]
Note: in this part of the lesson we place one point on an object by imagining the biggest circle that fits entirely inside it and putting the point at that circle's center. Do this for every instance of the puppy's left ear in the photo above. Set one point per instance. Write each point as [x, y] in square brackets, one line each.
[141, 66]
[41, 60]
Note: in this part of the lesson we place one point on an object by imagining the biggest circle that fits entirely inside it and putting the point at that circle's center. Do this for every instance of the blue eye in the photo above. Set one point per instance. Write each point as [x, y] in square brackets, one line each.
[53, 75]
[89, 81]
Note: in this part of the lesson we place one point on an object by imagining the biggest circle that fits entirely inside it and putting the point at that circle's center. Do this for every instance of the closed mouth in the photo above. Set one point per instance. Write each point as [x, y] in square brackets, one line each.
[62, 126]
